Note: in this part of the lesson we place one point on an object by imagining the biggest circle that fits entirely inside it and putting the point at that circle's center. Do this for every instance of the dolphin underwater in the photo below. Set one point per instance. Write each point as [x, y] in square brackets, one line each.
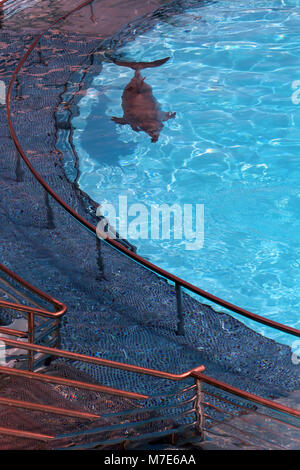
[141, 110]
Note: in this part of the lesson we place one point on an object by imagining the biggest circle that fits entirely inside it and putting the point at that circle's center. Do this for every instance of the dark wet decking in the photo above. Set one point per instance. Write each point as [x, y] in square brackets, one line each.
[116, 309]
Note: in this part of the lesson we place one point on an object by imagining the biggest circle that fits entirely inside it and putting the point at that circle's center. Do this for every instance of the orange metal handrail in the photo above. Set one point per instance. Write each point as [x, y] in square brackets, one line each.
[60, 310]
[243, 409]
[47, 408]
[246, 395]
[71, 383]
[196, 373]
[12, 332]
[59, 306]
[102, 362]
[26, 434]
[44, 378]
[142, 261]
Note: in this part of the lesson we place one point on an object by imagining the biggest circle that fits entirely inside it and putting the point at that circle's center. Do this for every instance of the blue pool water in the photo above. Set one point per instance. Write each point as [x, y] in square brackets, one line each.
[233, 146]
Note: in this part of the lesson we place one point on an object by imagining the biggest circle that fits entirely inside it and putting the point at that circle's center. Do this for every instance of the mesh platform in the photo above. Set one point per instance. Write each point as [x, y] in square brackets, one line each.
[116, 309]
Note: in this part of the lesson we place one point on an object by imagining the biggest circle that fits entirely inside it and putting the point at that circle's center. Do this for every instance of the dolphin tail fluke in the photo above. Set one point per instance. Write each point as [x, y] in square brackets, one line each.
[141, 65]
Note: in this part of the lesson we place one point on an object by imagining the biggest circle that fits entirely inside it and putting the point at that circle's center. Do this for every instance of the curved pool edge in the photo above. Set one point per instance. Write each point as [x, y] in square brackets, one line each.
[89, 226]
[134, 256]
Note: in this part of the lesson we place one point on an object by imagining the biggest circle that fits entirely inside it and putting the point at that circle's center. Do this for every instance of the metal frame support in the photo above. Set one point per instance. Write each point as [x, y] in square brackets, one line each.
[199, 425]
[180, 324]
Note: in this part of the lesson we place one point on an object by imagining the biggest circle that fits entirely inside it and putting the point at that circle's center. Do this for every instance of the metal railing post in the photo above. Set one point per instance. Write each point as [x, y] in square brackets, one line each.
[30, 340]
[199, 425]
[180, 324]
[57, 332]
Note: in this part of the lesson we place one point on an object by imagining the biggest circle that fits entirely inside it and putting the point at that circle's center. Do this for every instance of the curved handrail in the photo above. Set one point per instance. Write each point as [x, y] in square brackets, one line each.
[142, 261]
[196, 373]
[59, 306]
[60, 310]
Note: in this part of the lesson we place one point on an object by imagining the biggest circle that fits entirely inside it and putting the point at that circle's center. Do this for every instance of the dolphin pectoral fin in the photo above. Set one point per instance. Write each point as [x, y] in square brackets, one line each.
[168, 116]
[119, 120]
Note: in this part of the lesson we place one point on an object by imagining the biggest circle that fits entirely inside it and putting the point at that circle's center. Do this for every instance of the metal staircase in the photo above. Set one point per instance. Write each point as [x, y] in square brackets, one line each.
[47, 401]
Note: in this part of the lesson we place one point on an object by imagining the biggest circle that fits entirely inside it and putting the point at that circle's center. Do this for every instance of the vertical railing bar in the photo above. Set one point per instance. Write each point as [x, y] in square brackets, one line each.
[199, 426]
[31, 341]
[180, 324]
[57, 333]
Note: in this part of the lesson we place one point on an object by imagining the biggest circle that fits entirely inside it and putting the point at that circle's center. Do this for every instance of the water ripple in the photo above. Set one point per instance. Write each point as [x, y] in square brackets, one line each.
[233, 146]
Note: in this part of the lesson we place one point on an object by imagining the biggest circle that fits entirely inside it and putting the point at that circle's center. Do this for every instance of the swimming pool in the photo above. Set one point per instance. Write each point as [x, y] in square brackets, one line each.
[233, 147]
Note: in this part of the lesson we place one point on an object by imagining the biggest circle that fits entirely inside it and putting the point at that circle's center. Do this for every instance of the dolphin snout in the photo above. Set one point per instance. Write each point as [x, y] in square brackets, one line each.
[154, 136]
